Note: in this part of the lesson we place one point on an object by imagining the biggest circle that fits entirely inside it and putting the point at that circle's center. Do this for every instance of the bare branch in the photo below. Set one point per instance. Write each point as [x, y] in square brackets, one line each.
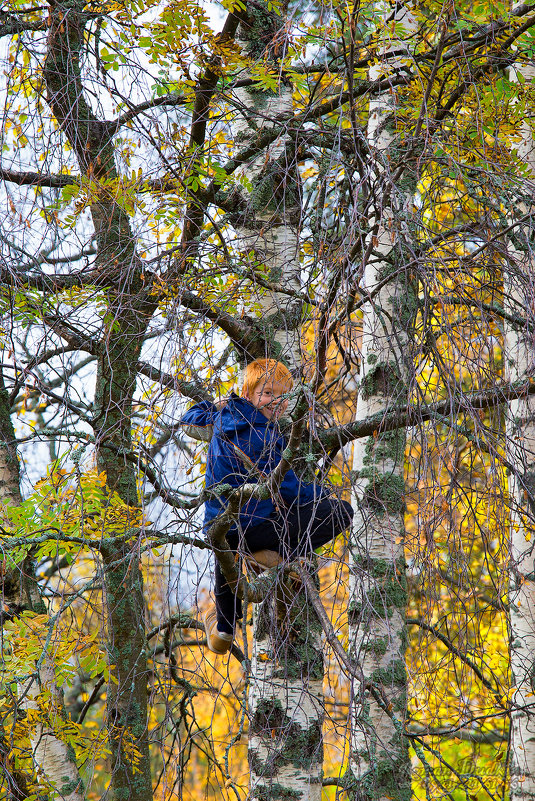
[39, 179]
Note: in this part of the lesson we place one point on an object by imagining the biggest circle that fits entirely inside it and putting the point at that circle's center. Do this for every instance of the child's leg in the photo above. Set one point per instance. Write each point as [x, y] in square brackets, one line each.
[228, 605]
[314, 524]
[266, 536]
[301, 529]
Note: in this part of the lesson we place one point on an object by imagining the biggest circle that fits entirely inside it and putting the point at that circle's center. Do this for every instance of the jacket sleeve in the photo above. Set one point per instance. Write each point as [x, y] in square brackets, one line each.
[198, 422]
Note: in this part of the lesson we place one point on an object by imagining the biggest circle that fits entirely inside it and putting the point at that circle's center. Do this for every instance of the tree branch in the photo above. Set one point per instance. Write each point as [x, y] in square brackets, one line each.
[39, 179]
[190, 389]
[245, 335]
[204, 92]
[11, 25]
[399, 417]
[173, 99]
[459, 733]
[494, 689]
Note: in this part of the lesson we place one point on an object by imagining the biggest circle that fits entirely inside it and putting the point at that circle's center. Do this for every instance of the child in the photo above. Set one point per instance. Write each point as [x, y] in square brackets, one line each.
[245, 431]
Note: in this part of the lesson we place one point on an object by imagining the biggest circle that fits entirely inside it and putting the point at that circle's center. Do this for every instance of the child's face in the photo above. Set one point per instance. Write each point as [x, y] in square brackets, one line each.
[267, 398]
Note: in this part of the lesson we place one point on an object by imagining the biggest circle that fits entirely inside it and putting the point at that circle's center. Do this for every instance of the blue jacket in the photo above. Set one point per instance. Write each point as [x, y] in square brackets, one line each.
[241, 425]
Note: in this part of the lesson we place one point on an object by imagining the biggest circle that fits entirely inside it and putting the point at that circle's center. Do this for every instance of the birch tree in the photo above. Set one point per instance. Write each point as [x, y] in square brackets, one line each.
[53, 757]
[285, 694]
[519, 358]
[380, 758]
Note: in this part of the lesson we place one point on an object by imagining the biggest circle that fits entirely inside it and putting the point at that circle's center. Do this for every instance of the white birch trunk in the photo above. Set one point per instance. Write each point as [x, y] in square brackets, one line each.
[520, 429]
[380, 761]
[286, 703]
[286, 686]
[53, 758]
[379, 753]
[273, 239]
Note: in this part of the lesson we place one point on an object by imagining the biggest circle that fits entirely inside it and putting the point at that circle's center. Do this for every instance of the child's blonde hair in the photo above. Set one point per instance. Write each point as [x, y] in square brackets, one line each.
[267, 369]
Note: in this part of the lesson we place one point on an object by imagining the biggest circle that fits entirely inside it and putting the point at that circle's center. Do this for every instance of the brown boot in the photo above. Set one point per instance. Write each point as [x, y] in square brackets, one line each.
[218, 641]
[263, 560]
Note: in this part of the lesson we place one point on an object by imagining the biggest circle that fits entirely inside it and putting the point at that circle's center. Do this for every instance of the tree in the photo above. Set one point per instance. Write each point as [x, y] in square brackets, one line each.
[285, 714]
[21, 591]
[162, 180]
[381, 761]
[519, 358]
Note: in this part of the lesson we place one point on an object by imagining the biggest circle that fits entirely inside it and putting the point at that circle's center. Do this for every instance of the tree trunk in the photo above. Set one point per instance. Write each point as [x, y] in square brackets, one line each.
[379, 753]
[53, 757]
[286, 688]
[270, 228]
[520, 428]
[129, 311]
[380, 758]
[286, 703]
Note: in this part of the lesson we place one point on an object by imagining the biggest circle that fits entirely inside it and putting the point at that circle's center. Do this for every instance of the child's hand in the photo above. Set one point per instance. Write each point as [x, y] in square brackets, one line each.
[221, 403]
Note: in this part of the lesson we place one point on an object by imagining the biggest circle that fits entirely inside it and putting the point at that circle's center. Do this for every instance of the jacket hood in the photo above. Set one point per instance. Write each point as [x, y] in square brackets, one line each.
[238, 415]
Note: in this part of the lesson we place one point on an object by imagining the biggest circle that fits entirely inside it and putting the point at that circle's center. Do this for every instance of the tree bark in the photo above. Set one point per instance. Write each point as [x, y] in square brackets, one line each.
[52, 756]
[286, 686]
[379, 752]
[286, 701]
[129, 311]
[520, 430]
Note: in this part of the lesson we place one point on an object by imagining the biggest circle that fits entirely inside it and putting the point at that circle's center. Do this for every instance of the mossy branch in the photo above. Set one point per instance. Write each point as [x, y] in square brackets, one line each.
[405, 416]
